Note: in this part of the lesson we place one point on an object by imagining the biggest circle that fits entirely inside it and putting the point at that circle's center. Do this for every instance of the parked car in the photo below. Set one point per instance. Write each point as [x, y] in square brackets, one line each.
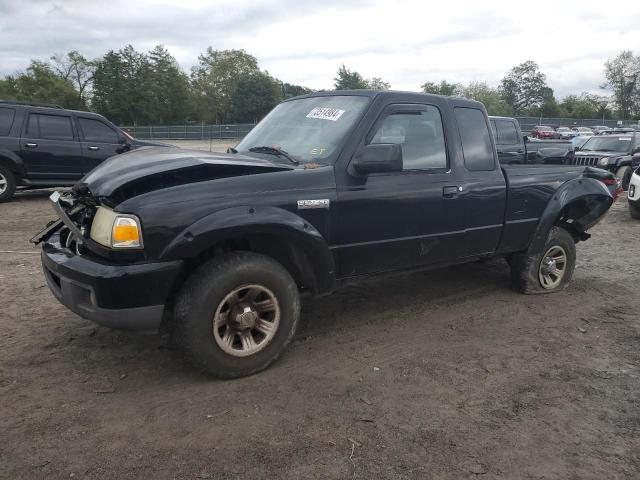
[600, 129]
[544, 131]
[329, 187]
[583, 131]
[619, 154]
[566, 133]
[514, 148]
[47, 146]
[633, 195]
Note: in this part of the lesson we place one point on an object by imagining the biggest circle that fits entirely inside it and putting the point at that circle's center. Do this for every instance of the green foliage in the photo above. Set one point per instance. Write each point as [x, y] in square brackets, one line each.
[75, 68]
[442, 88]
[623, 77]
[491, 98]
[40, 83]
[290, 91]
[376, 83]
[349, 80]
[524, 87]
[216, 77]
[253, 96]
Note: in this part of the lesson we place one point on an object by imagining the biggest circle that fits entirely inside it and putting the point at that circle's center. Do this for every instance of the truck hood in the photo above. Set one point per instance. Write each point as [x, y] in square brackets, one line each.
[152, 168]
[597, 153]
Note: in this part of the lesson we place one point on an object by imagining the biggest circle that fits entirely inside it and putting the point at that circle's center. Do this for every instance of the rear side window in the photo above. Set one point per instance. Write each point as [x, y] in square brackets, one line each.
[507, 133]
[96, 131]
[421, 135]
[6, 120]
[52, 127]
[476, 139]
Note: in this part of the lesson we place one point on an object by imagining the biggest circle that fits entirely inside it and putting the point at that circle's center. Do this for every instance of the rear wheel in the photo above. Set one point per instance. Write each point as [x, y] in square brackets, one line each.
[548, 271]
[236, 314]
[624, 174]
[7, 184]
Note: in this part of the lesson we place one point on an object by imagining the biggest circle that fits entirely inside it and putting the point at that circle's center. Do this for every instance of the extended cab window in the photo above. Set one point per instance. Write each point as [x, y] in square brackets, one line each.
[421, 135]
[51, 127]
[476, 141]
[6, 120]
[507, 133]
[96, 131]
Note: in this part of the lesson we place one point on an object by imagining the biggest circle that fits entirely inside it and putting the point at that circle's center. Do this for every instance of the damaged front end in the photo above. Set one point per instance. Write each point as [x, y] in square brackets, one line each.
[75, 210]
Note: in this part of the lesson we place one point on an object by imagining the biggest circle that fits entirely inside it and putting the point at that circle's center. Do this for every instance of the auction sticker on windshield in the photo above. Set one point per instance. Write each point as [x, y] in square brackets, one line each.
[325, 113]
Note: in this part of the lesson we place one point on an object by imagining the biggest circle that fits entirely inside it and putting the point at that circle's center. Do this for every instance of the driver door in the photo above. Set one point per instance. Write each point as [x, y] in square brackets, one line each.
[398, 220]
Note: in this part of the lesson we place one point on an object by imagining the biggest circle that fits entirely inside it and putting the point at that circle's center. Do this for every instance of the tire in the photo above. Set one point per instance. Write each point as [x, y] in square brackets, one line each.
[7, 184]
[530, 273]
[208, 294]
[634, 211]
[624, 174]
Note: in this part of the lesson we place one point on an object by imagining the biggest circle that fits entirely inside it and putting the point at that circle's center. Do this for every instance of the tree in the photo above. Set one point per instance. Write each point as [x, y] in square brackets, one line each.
[623, 77]
[253, 97]
[39, 83]
[170, 87]
[442, 88]
[215, 78]
[349, 80]
[290, 91]
[76, 69]
[524, 87]
[123, 87]
[376, 83]
[490, 97]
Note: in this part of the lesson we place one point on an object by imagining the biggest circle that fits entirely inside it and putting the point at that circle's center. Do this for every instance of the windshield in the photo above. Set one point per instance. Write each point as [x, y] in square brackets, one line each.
[607, 144]
[310, 130]
[564, 129]
[545, 129]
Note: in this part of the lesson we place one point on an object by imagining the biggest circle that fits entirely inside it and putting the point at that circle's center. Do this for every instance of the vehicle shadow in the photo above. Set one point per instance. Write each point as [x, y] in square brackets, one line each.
[377, 299]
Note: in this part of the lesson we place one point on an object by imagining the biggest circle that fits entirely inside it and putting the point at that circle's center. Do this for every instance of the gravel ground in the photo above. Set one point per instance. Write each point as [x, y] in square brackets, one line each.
[437, 375]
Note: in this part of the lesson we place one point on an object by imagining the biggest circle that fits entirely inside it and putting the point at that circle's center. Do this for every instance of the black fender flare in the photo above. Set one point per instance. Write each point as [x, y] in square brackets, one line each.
[12, 161]
[241, 221]
[588, 191]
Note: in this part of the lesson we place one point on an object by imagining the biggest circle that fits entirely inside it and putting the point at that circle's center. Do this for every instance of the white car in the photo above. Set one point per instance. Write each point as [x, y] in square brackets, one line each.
[633, 194]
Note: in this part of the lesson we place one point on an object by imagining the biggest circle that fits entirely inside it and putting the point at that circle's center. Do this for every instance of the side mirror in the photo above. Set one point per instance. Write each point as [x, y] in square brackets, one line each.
[636, 151]
[125, 146]
[379, 157]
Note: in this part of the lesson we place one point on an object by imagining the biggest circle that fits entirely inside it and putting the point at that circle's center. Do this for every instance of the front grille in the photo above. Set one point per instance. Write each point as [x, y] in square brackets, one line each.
[587, 161]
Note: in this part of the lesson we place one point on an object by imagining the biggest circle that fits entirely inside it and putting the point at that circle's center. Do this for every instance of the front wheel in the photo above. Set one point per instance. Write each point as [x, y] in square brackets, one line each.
[624, 174]
[548, 271]
[634, 211]
[7, 184]
[236, 314]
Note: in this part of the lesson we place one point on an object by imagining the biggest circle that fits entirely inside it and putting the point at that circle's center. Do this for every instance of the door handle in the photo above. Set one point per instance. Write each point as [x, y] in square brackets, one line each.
[520, 150]
[31, 145]
[451, 191]
[94, 148]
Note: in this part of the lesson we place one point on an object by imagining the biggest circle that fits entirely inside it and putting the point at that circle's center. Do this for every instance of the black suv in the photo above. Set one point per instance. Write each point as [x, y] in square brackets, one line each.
[617, 151]
[47, 146]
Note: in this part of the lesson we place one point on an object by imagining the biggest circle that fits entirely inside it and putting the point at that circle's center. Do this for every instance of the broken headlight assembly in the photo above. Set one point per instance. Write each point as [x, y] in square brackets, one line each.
[116, 230]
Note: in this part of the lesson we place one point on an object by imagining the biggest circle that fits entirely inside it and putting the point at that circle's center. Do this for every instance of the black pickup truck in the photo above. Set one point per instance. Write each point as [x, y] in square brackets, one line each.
[217, 248]
[515, 148]
[47, 146]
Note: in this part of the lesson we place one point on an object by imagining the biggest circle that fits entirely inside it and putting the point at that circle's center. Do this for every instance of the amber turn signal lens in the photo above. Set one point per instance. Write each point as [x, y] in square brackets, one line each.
[125, 233]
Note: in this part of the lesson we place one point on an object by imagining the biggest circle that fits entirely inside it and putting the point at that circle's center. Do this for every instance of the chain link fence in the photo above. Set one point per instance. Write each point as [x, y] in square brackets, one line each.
[190, 132]
[237, 131]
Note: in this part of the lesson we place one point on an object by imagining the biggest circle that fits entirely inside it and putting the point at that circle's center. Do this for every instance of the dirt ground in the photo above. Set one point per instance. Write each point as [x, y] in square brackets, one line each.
[438, 375]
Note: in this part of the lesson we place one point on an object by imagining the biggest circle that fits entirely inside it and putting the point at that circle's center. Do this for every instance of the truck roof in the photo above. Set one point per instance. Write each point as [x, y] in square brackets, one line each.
[391, 95]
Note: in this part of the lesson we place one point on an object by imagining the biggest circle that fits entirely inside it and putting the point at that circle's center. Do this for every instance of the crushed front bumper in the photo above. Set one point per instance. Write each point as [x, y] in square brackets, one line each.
[129, 296]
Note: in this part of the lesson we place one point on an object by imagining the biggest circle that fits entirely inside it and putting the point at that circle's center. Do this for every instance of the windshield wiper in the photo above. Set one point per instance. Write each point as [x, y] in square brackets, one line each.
[274, 151]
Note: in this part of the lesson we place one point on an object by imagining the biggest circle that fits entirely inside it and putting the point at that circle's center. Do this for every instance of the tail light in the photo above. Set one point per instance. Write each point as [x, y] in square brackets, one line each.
[614, 181]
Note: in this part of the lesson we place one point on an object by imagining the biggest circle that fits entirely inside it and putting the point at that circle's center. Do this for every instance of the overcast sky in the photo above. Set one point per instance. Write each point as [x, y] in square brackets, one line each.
[406, 42]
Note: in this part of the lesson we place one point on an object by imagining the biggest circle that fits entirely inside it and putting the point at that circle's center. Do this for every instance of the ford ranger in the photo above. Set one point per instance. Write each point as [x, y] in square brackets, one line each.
[216, 249]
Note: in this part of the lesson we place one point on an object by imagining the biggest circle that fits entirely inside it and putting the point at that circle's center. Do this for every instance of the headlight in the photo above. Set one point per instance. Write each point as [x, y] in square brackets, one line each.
[116, 230]
[603, 162]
